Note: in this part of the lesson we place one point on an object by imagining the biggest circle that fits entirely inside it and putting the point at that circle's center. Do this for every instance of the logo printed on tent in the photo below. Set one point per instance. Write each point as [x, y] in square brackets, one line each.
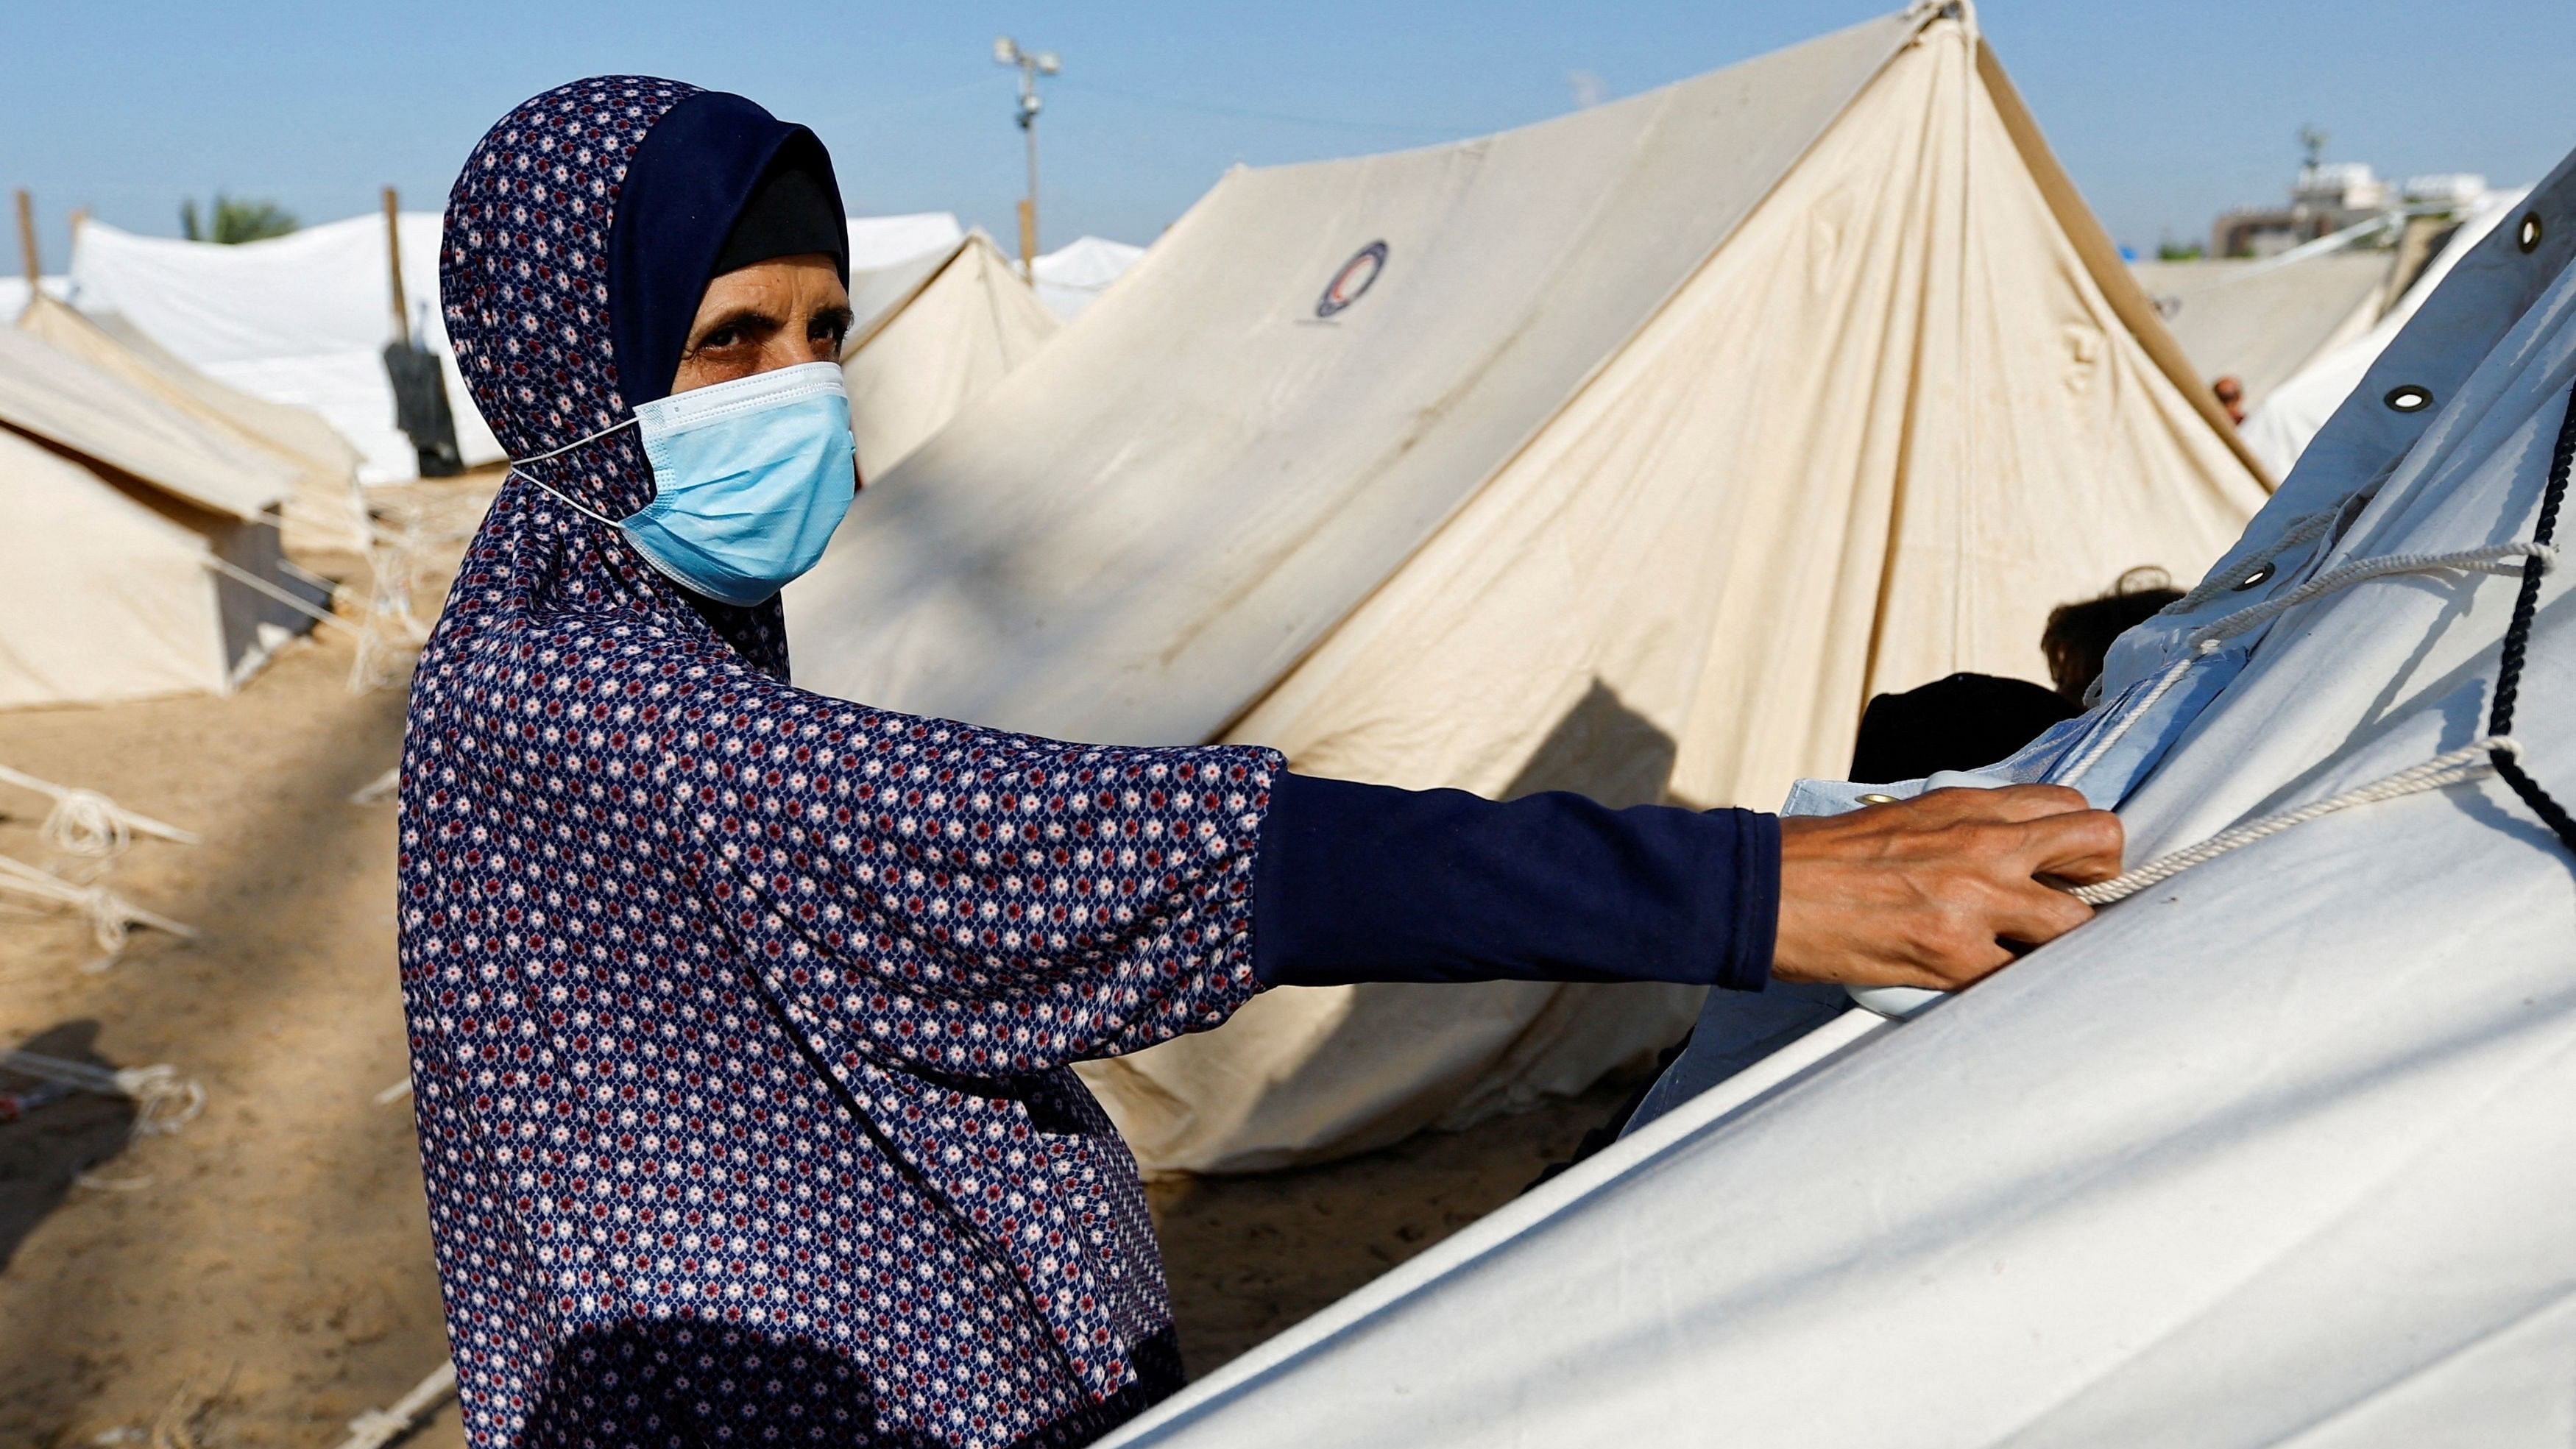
[1353, 280]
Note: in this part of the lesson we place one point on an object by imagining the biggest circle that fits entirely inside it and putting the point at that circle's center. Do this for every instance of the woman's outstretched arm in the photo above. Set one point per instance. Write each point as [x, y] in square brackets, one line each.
[1367, 883]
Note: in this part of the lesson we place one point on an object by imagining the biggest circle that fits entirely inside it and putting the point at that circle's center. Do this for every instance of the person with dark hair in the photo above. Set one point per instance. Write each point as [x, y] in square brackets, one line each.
[1969, 720]
[2078, 635]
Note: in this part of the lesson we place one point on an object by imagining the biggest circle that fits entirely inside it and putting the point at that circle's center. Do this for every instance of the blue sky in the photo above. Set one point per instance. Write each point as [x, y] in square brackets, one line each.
[2165, 111]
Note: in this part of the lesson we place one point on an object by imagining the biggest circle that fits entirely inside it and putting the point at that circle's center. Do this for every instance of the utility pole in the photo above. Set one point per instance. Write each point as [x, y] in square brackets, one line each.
[1032, 64]
[393, 260]
[27, 238]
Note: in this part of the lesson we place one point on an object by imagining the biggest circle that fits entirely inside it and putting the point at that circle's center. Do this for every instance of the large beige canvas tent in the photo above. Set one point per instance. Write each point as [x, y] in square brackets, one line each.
[128, 530]
[326, 509]
[936, 333]
[1628, 453]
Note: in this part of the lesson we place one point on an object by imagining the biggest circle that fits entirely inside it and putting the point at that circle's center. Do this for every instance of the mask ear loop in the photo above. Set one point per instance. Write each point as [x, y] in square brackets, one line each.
[518, 468]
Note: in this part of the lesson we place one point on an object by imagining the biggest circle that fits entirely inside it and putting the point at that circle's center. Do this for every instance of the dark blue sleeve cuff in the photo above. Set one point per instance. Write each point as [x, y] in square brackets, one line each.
[1368, 883]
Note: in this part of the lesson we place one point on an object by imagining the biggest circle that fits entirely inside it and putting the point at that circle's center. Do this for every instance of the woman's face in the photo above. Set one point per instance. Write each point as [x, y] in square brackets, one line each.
[763, 317]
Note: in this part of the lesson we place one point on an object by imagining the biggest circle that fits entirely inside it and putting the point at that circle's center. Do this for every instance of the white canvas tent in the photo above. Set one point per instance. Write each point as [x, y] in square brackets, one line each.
[1628, 453]
[2275, 1153]
[326, 508]
[961, 321]
[883, 241]
[2278, 428]
[1073, 276]
[2261, 321]
[301, 319]
[120, 517]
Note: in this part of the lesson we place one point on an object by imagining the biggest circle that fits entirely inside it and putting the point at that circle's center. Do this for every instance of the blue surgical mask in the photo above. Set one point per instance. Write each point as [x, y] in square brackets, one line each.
[750, 477]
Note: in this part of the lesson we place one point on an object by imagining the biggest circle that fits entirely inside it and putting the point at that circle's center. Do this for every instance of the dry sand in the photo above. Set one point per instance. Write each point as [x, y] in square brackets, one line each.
[264, 1275]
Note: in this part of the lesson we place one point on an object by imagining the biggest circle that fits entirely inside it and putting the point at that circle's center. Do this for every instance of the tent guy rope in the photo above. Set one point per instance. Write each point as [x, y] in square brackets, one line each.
[87, 823]
[112, 917]
[163, 1101]
[2494, 754]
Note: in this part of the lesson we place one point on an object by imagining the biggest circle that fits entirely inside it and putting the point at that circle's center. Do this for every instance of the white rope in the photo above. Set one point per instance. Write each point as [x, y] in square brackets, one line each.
[2303, 529]
[163, 1101]
[2499, 559]
[2164, 683]
[87, 823]
[112, 917]
[391, 628]
[299, 605]
[378, 788]
[2470, 762]
[394, 1093]
[376, 1428]
[2206, 641]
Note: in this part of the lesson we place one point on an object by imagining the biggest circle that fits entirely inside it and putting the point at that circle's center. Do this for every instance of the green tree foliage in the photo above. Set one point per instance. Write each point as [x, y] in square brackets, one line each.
[2179, 252]
[236, 219]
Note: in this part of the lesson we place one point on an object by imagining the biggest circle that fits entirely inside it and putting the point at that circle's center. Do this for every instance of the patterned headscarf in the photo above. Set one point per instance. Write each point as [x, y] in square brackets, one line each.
[740, 1016]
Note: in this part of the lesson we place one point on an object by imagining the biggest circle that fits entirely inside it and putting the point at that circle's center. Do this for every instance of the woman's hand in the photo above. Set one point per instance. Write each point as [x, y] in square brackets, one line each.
[1939, 890]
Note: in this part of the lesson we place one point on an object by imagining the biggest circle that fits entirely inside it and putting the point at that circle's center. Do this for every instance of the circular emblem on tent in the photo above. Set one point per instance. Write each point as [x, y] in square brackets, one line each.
[1355, 278]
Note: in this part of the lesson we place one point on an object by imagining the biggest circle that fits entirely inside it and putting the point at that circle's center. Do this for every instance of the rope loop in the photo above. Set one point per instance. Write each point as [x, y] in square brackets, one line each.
[88, 824]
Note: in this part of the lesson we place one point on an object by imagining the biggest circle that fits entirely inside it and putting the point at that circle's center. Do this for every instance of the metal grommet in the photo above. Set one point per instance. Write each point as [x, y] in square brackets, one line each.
[2408, 399]
[2262, 574]
[2527, 235]
[1874, 798]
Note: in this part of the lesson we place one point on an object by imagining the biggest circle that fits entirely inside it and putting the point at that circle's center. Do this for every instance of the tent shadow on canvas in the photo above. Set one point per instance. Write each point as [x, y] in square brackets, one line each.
[1602, 749]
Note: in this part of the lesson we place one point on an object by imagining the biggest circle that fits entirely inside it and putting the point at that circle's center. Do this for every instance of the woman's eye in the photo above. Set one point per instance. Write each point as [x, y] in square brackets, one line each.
[721, 337]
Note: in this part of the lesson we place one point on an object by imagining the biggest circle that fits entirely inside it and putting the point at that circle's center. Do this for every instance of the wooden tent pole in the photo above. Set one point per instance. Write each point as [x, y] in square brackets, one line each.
[393, 258]
[27, 237]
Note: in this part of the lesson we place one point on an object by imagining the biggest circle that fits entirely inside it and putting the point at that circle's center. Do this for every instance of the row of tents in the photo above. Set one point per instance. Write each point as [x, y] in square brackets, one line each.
[1629, 453]
[2272, 1153]
[192, 428]
[1632, 453]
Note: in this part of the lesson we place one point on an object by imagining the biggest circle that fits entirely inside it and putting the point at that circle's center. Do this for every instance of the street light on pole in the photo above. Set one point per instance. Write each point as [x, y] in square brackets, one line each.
[1032, 64]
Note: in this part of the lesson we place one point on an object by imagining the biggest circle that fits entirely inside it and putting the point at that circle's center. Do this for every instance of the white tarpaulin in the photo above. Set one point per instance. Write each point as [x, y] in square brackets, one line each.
[301, 319]
[1073, 276]
[2275, 1152]
[117, 512]
[964, 322]
[1629, 453]
[2291, 414]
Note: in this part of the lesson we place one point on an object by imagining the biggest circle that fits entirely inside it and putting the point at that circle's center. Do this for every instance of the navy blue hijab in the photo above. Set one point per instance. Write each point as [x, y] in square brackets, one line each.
[717, 183]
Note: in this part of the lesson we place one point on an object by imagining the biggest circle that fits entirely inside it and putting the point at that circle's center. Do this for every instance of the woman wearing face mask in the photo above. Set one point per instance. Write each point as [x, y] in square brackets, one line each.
[741, 1017]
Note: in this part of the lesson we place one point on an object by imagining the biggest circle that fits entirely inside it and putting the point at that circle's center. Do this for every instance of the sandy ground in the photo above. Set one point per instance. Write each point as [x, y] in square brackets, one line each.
[263, 1275]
